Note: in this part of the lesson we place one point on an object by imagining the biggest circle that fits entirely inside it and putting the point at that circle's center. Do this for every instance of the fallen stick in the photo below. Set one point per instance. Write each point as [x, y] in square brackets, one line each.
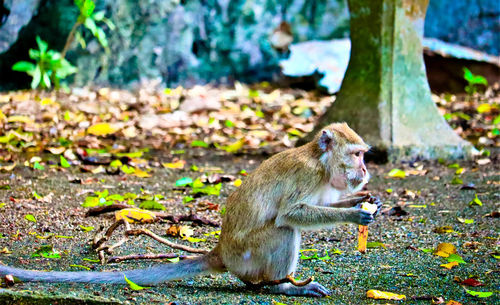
[165, 241]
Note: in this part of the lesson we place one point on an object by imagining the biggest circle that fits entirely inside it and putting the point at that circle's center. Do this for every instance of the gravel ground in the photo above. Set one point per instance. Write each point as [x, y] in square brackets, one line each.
[401, 267]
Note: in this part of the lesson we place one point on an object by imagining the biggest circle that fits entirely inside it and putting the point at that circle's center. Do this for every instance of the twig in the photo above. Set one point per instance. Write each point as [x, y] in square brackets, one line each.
[107, 208]
[191, 217]
[165, 241]
[70, 38]
[117, 259]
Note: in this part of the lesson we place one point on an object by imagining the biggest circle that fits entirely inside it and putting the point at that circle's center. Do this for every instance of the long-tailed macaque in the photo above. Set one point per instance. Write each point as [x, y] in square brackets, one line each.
[294, 190]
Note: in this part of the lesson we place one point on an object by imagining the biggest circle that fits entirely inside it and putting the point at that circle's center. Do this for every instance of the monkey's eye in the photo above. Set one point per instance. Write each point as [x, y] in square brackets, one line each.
[357, 153]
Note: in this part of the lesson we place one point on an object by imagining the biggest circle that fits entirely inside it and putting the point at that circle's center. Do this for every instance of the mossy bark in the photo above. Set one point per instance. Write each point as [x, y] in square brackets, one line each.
[385, 96]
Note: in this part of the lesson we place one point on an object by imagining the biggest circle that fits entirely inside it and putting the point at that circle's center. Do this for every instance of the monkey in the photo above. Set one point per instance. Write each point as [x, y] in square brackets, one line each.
[298, 189]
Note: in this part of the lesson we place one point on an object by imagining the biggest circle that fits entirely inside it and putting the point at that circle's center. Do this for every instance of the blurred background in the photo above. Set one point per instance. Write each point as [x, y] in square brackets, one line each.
[177, 42]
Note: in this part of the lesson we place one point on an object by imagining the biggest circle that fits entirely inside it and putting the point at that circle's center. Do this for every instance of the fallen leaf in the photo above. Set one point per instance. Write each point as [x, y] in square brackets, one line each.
[237, 182]
[101, 129]
[384, 295]
[451, 302]
[183, 181]
[475, 201]
[449, 265]
[133, 285]
[479, 294]
[472, 282]
[464, 220]
[30, 217]
[134, 215]
[445, 249]
[397, 173]
[175, 165]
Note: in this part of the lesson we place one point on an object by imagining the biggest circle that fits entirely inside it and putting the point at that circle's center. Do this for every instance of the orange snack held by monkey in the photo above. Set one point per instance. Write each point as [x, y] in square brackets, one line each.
[363, 230]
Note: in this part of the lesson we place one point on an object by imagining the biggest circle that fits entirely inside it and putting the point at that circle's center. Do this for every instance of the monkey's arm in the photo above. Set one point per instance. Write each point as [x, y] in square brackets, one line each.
[307, 216]
[347, 203]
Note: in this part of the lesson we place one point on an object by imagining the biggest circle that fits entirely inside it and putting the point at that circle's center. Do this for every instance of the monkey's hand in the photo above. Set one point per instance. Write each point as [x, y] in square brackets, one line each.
[360, 216]
[374, 200]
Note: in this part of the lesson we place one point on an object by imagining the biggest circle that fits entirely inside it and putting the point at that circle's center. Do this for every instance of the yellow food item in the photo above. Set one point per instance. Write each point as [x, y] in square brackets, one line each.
[369, 207]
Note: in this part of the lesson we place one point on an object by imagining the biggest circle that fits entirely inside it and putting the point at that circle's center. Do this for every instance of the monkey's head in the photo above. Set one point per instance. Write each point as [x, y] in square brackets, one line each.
[342, 153]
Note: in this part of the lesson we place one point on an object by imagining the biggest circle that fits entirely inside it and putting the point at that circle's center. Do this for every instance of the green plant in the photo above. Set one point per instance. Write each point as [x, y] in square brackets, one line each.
[49, 67]
[88, 18]
[474, 82]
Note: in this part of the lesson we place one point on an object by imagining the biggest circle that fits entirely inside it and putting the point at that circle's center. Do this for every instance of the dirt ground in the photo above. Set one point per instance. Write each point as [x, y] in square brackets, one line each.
[428, 198]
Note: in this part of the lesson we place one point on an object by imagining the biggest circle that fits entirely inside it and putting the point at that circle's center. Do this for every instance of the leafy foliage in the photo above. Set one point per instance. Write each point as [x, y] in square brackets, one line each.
[474, 81]
[49, 67]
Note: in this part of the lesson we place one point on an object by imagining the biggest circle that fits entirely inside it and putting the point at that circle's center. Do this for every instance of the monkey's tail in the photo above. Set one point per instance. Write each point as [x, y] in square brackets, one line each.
[148, 276]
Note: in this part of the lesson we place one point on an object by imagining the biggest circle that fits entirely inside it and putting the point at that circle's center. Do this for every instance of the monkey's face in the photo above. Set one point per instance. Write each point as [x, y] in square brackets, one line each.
[355, 170]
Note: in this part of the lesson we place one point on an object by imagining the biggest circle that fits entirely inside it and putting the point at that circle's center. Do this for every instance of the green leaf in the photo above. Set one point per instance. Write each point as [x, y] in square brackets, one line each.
[30, 217]
[79, 38]
[101, 37]
[46, 251]
[475, 201]
[23, 66]
[187, 199]
[197, 143]
[455, 258]
[173, 260]
[375, 244]
[151, 205]
[474, 79]
[42, 45]
[90, 202]
[90, 24]
[115, 197]
[46, 79]
[228, 123]
[80, 266]
[98, 16]
[64, 162]
[479, 294]
[456, 180]
[496, 121]
[35, 194]
[208, 190]
[127, 169]
[38, 166]
[37, 76]
[183, 181]
[86, 7]
[86, 229]
[133, 285]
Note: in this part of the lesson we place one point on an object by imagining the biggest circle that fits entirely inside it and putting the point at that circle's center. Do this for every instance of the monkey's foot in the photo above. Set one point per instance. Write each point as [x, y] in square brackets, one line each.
[312, 289]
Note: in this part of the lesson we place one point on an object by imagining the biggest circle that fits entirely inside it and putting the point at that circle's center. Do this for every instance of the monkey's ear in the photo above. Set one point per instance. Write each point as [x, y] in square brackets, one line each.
[326, 140]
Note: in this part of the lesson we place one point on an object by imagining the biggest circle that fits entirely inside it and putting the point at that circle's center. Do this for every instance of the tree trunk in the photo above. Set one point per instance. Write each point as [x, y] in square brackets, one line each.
[385, 96]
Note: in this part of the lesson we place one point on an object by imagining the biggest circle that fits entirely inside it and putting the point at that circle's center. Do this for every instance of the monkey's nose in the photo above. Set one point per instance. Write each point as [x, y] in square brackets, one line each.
[363, 169]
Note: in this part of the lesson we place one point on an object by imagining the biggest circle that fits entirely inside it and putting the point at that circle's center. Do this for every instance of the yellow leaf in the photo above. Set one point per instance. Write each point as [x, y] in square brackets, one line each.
[135, 215]
[449, 265]
[47, 101]
[179, 164]
[56, 150]
[451, 302]
[384, 295]
[445, 249]
[20, 118]
[397, 173]
[484, 108]
[101, 129]
[140, 173]
[237, 182]
[235, 147]
[186, 231]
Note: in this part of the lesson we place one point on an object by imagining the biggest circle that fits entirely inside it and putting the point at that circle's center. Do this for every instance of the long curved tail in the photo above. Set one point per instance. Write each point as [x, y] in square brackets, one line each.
[147, 276]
